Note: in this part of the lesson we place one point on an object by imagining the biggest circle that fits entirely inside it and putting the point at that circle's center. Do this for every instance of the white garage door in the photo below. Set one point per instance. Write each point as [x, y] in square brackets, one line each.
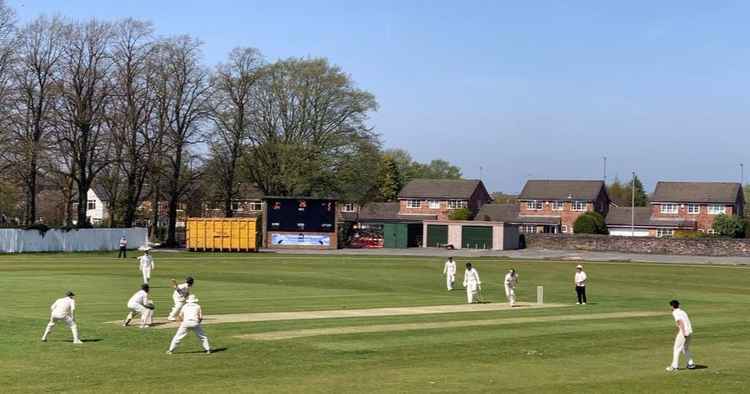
[628, 233]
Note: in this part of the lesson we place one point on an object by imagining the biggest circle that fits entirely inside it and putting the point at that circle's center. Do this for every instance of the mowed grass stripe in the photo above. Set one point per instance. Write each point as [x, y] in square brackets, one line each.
[292, 334]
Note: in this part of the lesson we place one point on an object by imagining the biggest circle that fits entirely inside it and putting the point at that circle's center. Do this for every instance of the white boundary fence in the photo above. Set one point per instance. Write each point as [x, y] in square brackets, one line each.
[79, 240]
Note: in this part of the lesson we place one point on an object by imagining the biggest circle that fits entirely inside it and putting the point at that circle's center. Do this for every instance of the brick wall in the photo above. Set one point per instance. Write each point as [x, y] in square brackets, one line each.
[567, 215]
[647, 245]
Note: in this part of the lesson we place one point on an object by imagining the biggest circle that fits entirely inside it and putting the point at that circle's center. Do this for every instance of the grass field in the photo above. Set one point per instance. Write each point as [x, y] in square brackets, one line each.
[614, 344]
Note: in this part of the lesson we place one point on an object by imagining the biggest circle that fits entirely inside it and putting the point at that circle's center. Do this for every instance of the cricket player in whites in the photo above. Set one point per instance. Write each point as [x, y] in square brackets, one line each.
[472, 284]
[511, 281]
[682, 340]
[180, 294]
[450, 273]
[191, 317]
[146, 264]
[64, 310]
[139, 304]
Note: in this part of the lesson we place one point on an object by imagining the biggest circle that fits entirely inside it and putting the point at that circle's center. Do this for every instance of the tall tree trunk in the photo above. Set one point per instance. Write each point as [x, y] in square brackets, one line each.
[174, 197]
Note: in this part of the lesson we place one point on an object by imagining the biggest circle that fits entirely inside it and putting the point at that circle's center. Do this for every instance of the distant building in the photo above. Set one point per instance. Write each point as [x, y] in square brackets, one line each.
[247, 203]
[440, 197]
[687, 206]
[550, 206]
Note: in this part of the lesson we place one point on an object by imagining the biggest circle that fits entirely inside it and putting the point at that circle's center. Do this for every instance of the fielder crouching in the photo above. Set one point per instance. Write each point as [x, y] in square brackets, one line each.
[191, 317]
[63, 310]
[141, 305]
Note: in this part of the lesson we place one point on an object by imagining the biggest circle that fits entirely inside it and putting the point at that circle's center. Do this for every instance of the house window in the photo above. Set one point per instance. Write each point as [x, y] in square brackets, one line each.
[456, 204]
[716, 209]
[564, 228]
[693, 209]
[534, 205]
[413, 204]
[236, 206]
[710, 231]
[528, 228]
[256, 206]
[91, 204]
[664, 232]
[669, 208]
[434, 204]
[348, 207]
[579, 205]
[557, 206]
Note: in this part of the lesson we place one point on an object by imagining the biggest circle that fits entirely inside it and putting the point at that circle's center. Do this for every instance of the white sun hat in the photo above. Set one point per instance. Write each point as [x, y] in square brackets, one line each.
[579, 266]
[192, 298]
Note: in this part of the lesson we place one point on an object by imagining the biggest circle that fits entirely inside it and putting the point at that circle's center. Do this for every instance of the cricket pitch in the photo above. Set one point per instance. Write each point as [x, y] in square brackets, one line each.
[349, 313]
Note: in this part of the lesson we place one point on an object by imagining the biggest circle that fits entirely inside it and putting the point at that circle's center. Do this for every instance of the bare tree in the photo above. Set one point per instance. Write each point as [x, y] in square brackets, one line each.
[131, 112]
[185, 94]
[232, 117]
[31, 112]
[85, 90]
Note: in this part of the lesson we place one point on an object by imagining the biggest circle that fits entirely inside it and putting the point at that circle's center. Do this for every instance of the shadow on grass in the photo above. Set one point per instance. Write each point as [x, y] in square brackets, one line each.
[699, 366]
[217, 350]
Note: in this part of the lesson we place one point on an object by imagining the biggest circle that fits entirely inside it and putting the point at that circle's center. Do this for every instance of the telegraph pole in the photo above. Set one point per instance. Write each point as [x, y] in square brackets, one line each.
[632, 207]
[605, 168]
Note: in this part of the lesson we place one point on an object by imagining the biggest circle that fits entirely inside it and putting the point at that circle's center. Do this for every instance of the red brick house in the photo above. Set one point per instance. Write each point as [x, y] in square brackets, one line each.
[439, 197]
[689, 206]
[552, 206]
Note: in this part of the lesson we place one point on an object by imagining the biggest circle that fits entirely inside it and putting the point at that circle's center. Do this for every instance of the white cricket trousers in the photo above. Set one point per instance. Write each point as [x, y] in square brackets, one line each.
[182, 333]
[681, 345]
[176, 309]
[449, 280]
[68, 321]
[510, 293]
[147, 315]
[472, 293]
[146, 275]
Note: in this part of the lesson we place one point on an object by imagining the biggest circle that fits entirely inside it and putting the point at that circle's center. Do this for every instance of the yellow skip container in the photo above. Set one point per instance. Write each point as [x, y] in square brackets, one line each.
[222, 234]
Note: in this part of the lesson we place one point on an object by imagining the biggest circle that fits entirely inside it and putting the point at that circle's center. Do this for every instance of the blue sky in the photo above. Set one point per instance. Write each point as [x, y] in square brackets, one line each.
[530, 89]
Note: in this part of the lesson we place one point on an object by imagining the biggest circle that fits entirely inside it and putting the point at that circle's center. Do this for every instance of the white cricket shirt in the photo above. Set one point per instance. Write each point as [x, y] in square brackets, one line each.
[63, 307]
[580, 278]
[191, 313]
[678, 315]
[139, 298]
[181, 295]
[147, 263]
[511, 280]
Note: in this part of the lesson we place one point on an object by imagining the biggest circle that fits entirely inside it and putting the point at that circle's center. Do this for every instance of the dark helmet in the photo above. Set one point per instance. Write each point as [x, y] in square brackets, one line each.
[145, 287]
[69, 294]
[189, 280]
[468, 265]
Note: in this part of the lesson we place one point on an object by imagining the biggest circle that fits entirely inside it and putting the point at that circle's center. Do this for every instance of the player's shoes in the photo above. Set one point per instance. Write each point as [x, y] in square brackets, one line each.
[691, 366]
[77, 343]
[208, 352]
[169, 352]
[670, 369]
[578, 303]
[44, 339]
[145, 326]
[172, 318]
[584, 303]
[125, 323]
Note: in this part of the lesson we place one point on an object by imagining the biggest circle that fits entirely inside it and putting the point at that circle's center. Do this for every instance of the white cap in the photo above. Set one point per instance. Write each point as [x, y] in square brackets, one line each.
[192, 298]
[579, 266]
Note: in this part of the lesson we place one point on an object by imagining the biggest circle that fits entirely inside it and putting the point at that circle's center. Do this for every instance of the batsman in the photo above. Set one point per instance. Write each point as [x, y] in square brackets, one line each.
[180, 294]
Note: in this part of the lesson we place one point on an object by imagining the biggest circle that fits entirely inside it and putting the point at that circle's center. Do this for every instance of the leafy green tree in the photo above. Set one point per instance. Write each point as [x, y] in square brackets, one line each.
[621, 193]
[389, 179]
[460, 214]
[729, 226]
[590, 223]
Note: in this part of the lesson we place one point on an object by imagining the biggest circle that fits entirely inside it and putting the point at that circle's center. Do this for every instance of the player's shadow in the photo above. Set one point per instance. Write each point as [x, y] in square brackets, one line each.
[87, 340]
[699, 366]
[217, 350]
